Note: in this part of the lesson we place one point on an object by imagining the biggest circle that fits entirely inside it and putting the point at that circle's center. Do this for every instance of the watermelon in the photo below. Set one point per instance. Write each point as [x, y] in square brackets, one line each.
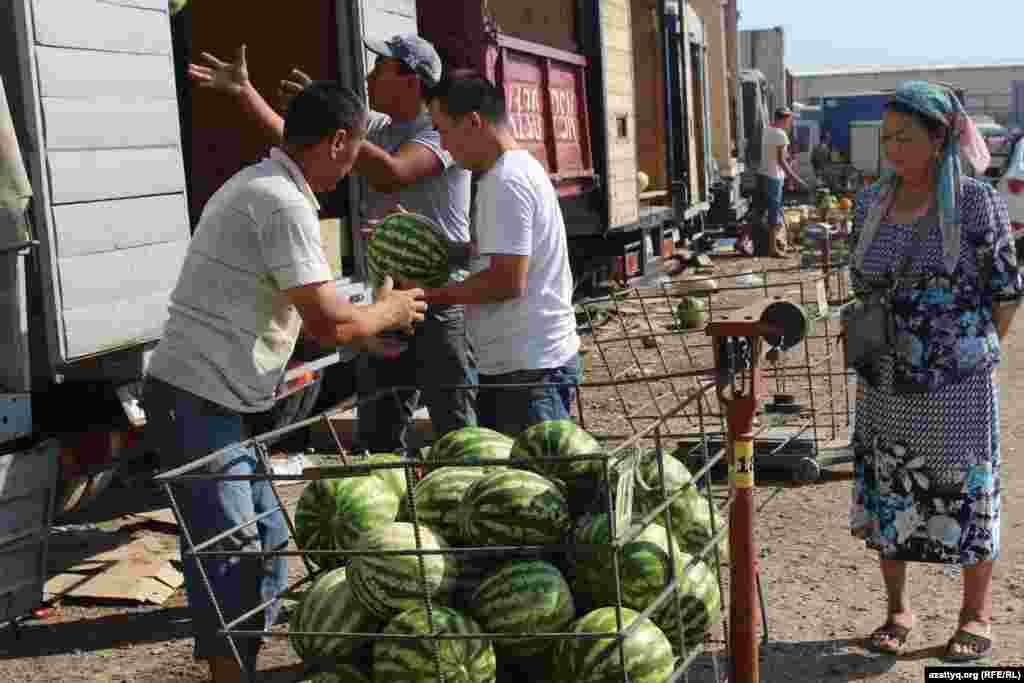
[469, 660]
[513, 507]
[332, 513]
[386, 584]
[700, 599]
[329, 606]
[438, 496]
[557, 438]
[343, 673]
[691, 313]
[472, 445]
[393, 477]
[691, 524]
[524, 596]
[644, 572]
[409, 246]
[647, 652]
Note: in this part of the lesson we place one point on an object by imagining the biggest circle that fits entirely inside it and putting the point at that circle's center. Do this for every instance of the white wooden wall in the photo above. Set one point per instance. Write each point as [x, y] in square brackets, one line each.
[116, 223]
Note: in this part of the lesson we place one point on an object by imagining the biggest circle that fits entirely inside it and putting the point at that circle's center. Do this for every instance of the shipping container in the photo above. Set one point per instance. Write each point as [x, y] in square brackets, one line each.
[1017, 104]
[840, 110]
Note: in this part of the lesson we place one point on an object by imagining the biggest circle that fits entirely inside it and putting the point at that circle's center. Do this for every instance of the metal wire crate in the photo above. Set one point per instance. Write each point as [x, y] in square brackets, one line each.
[616, 458]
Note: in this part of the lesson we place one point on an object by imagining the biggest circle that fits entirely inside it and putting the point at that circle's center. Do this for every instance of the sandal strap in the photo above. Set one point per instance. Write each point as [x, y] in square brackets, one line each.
[978, 644]
[891, 631]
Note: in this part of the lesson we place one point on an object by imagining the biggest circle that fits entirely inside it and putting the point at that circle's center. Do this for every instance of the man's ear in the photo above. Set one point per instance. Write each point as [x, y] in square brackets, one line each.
[340, 139]
[476, 120]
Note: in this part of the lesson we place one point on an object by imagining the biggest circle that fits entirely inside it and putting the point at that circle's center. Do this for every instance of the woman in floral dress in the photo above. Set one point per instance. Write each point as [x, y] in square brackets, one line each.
[926, 436]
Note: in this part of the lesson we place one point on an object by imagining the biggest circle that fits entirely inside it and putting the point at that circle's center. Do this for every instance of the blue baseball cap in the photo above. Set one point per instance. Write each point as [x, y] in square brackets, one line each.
[417, 53]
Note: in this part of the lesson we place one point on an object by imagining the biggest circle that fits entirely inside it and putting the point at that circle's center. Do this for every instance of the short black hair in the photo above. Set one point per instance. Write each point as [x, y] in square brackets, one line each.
[322, 109]
[464, 92]
[935, 128]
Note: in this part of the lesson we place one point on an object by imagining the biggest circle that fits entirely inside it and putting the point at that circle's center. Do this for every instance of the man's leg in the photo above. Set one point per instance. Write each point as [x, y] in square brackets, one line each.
[382, 423]
[444, 358]
[183, 428]
[520, 408]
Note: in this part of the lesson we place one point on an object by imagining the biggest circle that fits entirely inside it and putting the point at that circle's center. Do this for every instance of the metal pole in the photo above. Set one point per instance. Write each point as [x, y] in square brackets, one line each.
[743, 605]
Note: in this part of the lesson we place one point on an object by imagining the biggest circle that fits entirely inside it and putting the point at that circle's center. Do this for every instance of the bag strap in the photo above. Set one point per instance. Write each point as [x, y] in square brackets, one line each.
[921, 229]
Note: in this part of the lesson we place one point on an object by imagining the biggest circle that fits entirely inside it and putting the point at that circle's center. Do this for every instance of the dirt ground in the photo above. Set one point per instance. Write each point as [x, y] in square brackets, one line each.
[822, 588]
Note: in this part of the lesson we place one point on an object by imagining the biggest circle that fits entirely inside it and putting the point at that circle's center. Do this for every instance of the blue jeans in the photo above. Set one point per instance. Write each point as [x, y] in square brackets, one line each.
[182, 427]
[511, 411]
[438, 355]
[770, 191]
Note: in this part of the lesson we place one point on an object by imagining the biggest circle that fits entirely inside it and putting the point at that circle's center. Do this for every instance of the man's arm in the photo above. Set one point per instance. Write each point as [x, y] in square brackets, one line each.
[787, 168]
[332, 322]
[233, 79]
[505, 279]
[391, 172]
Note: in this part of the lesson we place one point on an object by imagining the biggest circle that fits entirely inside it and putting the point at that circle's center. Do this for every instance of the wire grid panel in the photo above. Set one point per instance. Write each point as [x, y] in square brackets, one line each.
[613, 482]
[649, 348]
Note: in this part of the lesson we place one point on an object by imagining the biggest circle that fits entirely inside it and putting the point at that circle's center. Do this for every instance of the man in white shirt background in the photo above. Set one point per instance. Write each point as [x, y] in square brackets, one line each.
[771, 178]
[519, 312]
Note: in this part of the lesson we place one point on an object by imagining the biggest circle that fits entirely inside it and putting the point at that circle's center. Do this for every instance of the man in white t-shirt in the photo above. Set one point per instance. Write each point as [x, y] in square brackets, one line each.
[254, 273]
[519, 312]
[771, 178]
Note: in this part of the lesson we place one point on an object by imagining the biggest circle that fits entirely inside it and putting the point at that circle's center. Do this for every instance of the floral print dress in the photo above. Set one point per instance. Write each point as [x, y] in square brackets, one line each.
[927, 460]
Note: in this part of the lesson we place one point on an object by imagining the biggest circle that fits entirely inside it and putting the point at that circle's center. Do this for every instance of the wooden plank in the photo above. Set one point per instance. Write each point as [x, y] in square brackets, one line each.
[110, 122]
[100, 279]
[79, 73]
[89, 331]
[97, 25]
[119, 224]
[85, 176]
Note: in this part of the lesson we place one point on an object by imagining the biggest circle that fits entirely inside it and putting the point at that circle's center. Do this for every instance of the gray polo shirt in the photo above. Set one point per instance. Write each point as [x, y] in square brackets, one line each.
[443, 198]
[232, 328]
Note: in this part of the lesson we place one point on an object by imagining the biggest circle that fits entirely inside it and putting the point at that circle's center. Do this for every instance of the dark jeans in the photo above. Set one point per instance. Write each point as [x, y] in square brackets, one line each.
[770, 195]
[511, 411]
[438, 355]
[182, 427]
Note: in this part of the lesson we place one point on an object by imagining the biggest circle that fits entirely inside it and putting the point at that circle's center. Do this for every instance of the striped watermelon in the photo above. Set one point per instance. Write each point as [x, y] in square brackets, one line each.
[644, 572]
[557, 438]
[524, 596]
[700, 599]
[469, 660]
[410, 246]
[386, 584]
[691, 524]
[437, 498]
[332, 513]
[648, 654]
[343, 673]
[330, 607]
[393, 477]
[513, 507]
[472, 445]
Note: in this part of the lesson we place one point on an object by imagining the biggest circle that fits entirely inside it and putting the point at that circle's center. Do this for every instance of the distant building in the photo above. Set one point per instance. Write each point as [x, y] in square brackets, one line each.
[987, 85]
[764, 50]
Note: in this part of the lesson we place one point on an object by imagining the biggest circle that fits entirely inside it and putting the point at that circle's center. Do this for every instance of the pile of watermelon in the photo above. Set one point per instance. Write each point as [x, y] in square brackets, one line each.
[504, 544]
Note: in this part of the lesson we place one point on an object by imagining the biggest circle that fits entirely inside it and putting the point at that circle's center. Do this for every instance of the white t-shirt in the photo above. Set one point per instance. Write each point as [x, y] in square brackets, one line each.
[771, 141]
[517, 213]
[231, 328]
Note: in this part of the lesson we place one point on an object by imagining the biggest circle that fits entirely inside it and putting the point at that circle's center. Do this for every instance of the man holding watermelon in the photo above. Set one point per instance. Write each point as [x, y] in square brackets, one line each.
[254, 273]
[518, 300]
[406, 169]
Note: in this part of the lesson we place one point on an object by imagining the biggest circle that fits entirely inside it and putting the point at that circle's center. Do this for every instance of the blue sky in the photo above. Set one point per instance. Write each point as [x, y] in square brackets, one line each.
[832, 33]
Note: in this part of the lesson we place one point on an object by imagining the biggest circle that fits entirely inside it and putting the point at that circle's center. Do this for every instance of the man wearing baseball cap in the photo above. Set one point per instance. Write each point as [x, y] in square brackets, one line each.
[405, 166]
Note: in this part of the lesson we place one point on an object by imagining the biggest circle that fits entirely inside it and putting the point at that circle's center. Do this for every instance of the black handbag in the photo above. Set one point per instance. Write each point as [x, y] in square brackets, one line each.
[868, 328]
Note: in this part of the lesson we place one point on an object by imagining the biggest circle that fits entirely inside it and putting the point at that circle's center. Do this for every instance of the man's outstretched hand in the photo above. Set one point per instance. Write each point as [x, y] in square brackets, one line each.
[227, 77]
[291, 86]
